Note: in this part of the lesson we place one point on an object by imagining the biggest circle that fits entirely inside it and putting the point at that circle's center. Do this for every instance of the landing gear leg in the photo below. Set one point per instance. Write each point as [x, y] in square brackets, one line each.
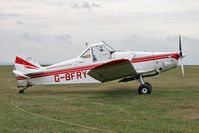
[145, 87]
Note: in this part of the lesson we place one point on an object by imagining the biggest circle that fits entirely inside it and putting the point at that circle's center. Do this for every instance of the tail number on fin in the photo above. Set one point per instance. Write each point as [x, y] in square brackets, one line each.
[70, 76]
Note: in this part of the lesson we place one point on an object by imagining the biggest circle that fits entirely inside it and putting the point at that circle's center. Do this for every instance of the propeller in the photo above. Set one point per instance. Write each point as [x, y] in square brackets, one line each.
[181, 56]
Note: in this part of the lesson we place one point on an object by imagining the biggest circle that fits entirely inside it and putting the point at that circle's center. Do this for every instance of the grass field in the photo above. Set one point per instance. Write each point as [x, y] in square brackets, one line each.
[173, 105]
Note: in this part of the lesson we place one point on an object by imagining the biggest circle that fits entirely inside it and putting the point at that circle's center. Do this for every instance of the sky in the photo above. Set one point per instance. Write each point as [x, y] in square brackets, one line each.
[52, 31]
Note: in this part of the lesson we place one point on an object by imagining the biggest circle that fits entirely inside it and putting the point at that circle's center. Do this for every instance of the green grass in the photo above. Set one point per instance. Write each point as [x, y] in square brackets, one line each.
[173, 105]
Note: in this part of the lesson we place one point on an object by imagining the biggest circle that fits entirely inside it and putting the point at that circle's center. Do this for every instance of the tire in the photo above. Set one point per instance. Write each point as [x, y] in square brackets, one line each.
[144, 89]
[149, 84]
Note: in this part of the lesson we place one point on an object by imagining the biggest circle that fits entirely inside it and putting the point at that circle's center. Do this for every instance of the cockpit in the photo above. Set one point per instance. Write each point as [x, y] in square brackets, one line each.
[98, 52]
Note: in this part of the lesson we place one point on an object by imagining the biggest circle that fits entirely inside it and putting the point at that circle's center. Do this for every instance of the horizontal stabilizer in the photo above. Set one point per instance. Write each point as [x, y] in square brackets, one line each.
[19, 73]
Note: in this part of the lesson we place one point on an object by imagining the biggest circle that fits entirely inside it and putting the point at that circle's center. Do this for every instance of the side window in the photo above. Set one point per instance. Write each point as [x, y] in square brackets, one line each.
[87, 54]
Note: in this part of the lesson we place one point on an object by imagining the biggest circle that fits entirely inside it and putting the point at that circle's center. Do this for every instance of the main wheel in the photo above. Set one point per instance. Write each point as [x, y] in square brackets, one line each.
[144, 89]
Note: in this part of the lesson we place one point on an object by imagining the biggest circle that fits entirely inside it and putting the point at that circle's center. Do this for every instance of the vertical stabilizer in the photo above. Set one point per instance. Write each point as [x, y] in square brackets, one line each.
[26, 65]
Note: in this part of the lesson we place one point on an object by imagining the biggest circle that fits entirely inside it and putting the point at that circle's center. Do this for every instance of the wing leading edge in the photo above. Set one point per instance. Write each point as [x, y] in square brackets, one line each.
[113, 70]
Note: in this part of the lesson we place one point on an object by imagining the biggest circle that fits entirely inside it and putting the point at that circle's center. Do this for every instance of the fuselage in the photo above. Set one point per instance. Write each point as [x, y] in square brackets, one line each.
[75, 70]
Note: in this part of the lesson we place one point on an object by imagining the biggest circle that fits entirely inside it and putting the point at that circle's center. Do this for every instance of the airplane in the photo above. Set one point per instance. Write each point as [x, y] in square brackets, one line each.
[98, 63]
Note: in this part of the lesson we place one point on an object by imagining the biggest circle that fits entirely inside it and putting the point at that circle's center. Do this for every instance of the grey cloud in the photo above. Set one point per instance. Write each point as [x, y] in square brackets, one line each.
[65, 37]
[171, 38]
[75, 6]
[59, 3]
[86, 5]
[186, 38]
[133, 36]
[8, 14]
[32, 37]
[19, 22]
[95, 5]
[46, 38]
[13, 42]
[193, 39]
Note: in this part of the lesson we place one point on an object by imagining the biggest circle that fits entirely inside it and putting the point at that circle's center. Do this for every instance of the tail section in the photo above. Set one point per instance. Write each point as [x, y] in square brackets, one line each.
[23, 67]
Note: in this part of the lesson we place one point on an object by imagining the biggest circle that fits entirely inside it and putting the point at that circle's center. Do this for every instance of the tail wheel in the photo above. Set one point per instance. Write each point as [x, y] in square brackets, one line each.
[144, 89]
[21, 91]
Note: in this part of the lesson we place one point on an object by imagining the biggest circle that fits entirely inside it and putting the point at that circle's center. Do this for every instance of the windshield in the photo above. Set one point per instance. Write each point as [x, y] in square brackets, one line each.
[86, 54]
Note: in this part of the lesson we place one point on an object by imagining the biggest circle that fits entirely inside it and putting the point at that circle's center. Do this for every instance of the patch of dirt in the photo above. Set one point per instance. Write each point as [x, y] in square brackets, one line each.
[186, 113]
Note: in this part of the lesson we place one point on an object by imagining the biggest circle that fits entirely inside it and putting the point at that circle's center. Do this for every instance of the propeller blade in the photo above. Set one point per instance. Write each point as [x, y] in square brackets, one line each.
[181, 56]
[182, 66]
[180, 46]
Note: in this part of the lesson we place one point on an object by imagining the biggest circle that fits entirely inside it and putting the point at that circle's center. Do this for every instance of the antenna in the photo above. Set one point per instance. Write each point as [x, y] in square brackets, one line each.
[109, 46]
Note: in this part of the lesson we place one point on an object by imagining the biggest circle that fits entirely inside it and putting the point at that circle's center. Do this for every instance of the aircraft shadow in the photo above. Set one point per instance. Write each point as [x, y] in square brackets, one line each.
[112, 92]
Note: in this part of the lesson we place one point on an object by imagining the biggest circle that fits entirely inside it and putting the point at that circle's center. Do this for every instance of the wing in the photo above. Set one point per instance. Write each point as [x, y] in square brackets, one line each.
[113, 70]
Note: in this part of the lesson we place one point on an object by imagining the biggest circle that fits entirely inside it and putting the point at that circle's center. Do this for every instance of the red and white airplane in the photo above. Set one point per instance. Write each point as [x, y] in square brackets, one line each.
[99, 63]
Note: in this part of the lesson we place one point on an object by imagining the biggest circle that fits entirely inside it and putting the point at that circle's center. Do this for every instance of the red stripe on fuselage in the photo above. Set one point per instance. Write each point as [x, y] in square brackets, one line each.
[83, 68]
[63, 71]
[155, 57]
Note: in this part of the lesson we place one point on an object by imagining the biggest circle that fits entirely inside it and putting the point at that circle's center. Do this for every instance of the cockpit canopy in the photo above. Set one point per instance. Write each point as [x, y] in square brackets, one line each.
[98, 52]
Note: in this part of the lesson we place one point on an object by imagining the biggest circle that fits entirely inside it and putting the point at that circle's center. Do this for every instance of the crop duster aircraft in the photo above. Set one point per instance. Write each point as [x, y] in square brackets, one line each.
[98, 63]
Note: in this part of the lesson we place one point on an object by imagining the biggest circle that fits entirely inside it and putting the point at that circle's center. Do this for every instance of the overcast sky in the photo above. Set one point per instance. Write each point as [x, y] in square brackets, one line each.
[56, 30]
